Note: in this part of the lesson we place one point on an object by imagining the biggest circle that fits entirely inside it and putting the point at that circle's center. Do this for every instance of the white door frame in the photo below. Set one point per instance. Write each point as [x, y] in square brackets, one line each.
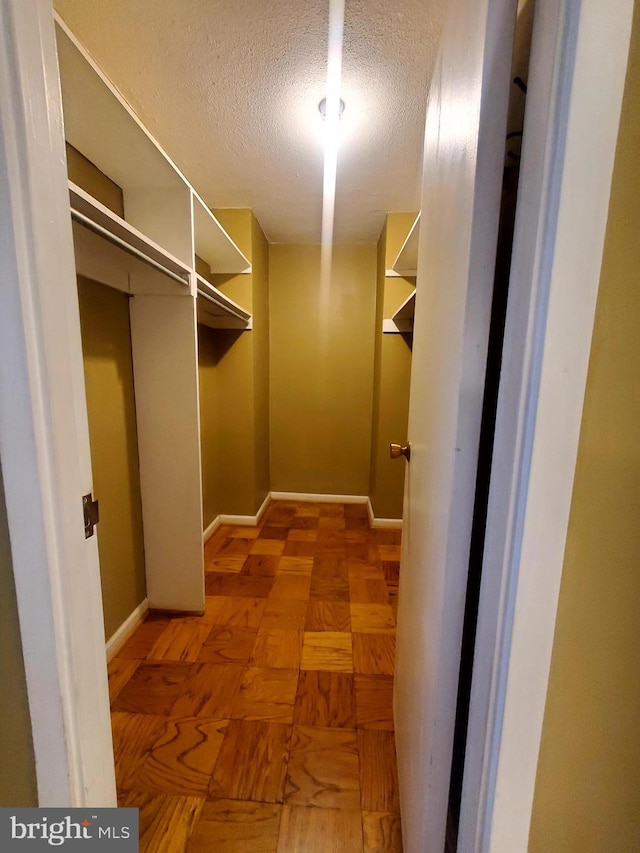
[575, 88]
[44, 439]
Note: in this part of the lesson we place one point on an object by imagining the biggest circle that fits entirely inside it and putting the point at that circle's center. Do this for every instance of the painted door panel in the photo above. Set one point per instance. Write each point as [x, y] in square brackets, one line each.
[463, 160]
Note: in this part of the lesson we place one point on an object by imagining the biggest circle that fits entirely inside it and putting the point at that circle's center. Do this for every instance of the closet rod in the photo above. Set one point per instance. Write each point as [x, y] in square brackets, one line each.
[220, 304]
[122, 244]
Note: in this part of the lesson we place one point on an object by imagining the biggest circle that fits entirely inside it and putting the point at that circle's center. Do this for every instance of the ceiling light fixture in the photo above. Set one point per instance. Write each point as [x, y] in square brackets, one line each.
[333, 106]
[322, 107]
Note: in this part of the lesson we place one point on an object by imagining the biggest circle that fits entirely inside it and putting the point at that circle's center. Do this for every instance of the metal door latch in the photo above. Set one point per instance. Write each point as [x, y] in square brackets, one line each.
[91, 514]
[397, 450]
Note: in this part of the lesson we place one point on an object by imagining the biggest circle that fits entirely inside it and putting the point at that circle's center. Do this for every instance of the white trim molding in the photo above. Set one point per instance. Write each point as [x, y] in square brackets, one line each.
[302, 497]
[378, 523]
[305, 497]
[386, 523]
[208, 532]
[248, 520]
[117, 640]
[44, 437]
[253, 520]
[575, 88]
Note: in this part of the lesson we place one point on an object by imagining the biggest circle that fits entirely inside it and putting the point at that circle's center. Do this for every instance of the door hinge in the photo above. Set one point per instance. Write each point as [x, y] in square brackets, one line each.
[91, 514]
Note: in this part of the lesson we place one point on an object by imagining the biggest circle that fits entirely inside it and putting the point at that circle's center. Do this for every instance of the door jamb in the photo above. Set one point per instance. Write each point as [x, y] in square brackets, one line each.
[575, 89]
[44, 439]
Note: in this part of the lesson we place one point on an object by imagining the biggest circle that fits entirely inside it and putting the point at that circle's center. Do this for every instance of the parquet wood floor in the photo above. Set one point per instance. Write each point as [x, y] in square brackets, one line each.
[266, 725]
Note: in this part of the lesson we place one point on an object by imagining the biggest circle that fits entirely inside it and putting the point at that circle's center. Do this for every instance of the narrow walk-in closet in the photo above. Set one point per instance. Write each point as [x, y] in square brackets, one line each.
[241, 402]
[318, 362]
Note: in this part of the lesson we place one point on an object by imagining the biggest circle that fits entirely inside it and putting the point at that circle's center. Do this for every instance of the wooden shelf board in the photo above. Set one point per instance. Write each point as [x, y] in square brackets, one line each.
[407, 309]
[213, 244]
[404, 274]
[402, 320]
[218, 311]
[402, 327]
[406, 262]
[101, 125]
[114, 228]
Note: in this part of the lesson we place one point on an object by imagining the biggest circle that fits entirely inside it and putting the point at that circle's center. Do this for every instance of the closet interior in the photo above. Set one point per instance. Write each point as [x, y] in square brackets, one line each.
[183, 321]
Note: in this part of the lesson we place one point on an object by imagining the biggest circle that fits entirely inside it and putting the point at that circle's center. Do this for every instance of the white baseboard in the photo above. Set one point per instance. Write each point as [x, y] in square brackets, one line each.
[263, 508]
[120, 637]
[211, 529]
[249, 520]
[323, 499]
[339, 499]
[395, 523]
[302, 497]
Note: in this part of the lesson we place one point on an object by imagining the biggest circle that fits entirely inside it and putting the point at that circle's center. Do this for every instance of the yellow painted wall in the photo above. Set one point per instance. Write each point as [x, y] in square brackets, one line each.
[211, 498]
[234, 385]
[108, 370]
[89, 178]
[322, 351]
[261, 343]
[381, 254]
[392, 376]
[398, 226]
[587, 797]
[17, 762]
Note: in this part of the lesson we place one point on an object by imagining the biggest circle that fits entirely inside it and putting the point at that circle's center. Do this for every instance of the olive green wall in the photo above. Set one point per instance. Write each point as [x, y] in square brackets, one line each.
[234, 385]
[392, 376]
[260, 276]
[397, 228]
[322, 353]
[587, 797]
[108, 371]
[381, 255]
[212, 504]
[87, 176]
[17, 762]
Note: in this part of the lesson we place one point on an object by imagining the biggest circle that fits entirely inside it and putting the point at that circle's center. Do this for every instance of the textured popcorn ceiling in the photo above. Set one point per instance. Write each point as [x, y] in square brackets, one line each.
[230, 89]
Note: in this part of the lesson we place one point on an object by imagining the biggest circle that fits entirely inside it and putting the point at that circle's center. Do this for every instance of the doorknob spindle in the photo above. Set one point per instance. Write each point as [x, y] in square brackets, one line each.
[398, 450]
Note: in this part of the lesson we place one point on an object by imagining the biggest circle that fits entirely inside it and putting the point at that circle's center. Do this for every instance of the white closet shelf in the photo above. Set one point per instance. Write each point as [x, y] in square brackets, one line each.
[217, 311]
[213, 244]
[406, 262]
[402, 320]
[92, 214]
[100, 124]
